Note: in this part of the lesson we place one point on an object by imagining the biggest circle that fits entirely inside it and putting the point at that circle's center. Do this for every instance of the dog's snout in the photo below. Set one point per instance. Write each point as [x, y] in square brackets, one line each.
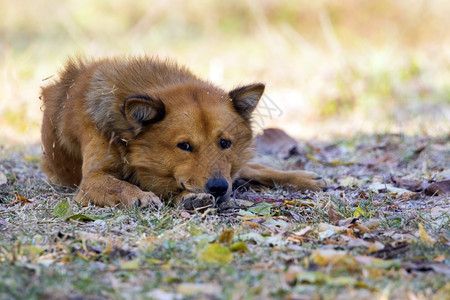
[217, 187]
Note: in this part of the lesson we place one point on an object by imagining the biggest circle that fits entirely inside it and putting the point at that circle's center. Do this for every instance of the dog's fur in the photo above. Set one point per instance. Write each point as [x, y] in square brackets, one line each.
[137, 130]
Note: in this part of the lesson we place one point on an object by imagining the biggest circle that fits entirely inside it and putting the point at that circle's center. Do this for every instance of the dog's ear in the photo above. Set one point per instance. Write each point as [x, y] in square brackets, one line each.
[246, 98]
[142, 110]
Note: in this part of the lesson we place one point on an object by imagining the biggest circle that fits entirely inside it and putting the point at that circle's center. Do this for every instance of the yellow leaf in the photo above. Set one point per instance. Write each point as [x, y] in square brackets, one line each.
[424, 237]
[329, 256]
[251, 224]
[439, 258]
[359, 212]
[83, 256]
[108, 248]
[239, 246]
[153, 261]
[216, 253]
[32, 158]
[376, 246]
[226, 236]
[32, 250]
[130, 265]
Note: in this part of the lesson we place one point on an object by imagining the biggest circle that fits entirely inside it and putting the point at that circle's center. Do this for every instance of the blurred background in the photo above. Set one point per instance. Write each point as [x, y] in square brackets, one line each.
[331, 67]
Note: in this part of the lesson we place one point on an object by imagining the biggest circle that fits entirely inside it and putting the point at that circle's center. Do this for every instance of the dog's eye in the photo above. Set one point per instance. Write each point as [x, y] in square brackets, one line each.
[185, 146]
[224, 144]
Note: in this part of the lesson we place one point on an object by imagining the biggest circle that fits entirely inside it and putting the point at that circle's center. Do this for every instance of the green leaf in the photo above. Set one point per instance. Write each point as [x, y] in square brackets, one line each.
[252, 236]
[262, 208]
[61, 209]
[245, 213]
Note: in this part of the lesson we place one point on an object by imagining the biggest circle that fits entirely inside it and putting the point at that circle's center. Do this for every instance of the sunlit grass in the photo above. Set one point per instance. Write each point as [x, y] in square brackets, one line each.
[332, 67]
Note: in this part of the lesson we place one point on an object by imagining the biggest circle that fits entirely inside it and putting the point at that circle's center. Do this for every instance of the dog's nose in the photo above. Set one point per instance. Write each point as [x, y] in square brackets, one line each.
[217, 187]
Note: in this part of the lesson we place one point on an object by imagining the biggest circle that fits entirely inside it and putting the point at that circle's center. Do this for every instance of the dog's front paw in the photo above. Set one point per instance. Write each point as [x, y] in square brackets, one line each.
[304, 180]
[144, 199]
[200, 201]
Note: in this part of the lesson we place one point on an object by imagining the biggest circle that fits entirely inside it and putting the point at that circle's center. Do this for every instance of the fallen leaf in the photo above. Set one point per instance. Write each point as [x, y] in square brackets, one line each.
[376, 246]
[262, 208]
[315, 277]
[20, 200]
[3, 179]
[425, 238]
[358, 212]
[245, 213]
[298, 203]
[326, 233]
[403, 237]
[251, 224]
[275, 241]
[379, 187]
[108, 248]
[408, 196]
[82, 217]
[290, 275]
[61, 209]
[226, 237]
[412, 185]
[372, 223]
[130, 265]
[160, 294]
[303, 231]
[185, 215]
[32, 250]
[239, 247]
[216, 253]
[244, 203]
[334, 216]
[190, 289]
[439, 258]
[355, 243]
[438, 188]
[349, 181]
[325, 257]
[275, 223]
[275, 141]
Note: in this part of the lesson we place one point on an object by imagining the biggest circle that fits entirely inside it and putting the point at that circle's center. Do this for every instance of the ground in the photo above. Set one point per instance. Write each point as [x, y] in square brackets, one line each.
[379, 232]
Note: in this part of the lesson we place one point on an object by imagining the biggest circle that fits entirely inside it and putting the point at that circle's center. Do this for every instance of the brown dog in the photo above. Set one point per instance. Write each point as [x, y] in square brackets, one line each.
[133, 131]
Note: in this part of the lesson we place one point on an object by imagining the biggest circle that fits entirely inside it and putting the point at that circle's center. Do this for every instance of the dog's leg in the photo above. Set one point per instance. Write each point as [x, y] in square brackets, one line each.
[100, 184]
[302, 180]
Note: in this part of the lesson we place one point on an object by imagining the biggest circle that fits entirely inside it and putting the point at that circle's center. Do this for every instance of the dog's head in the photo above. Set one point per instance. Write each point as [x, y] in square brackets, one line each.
[192, 137]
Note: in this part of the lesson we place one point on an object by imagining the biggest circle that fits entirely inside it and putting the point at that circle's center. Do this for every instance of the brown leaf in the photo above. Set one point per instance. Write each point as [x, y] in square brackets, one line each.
[334, 216]
[412, 185]
[275, 141]
[438, 188]
[20, 200]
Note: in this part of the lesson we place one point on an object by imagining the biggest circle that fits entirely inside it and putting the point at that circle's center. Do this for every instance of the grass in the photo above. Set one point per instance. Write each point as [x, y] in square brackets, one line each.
[54, 248]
